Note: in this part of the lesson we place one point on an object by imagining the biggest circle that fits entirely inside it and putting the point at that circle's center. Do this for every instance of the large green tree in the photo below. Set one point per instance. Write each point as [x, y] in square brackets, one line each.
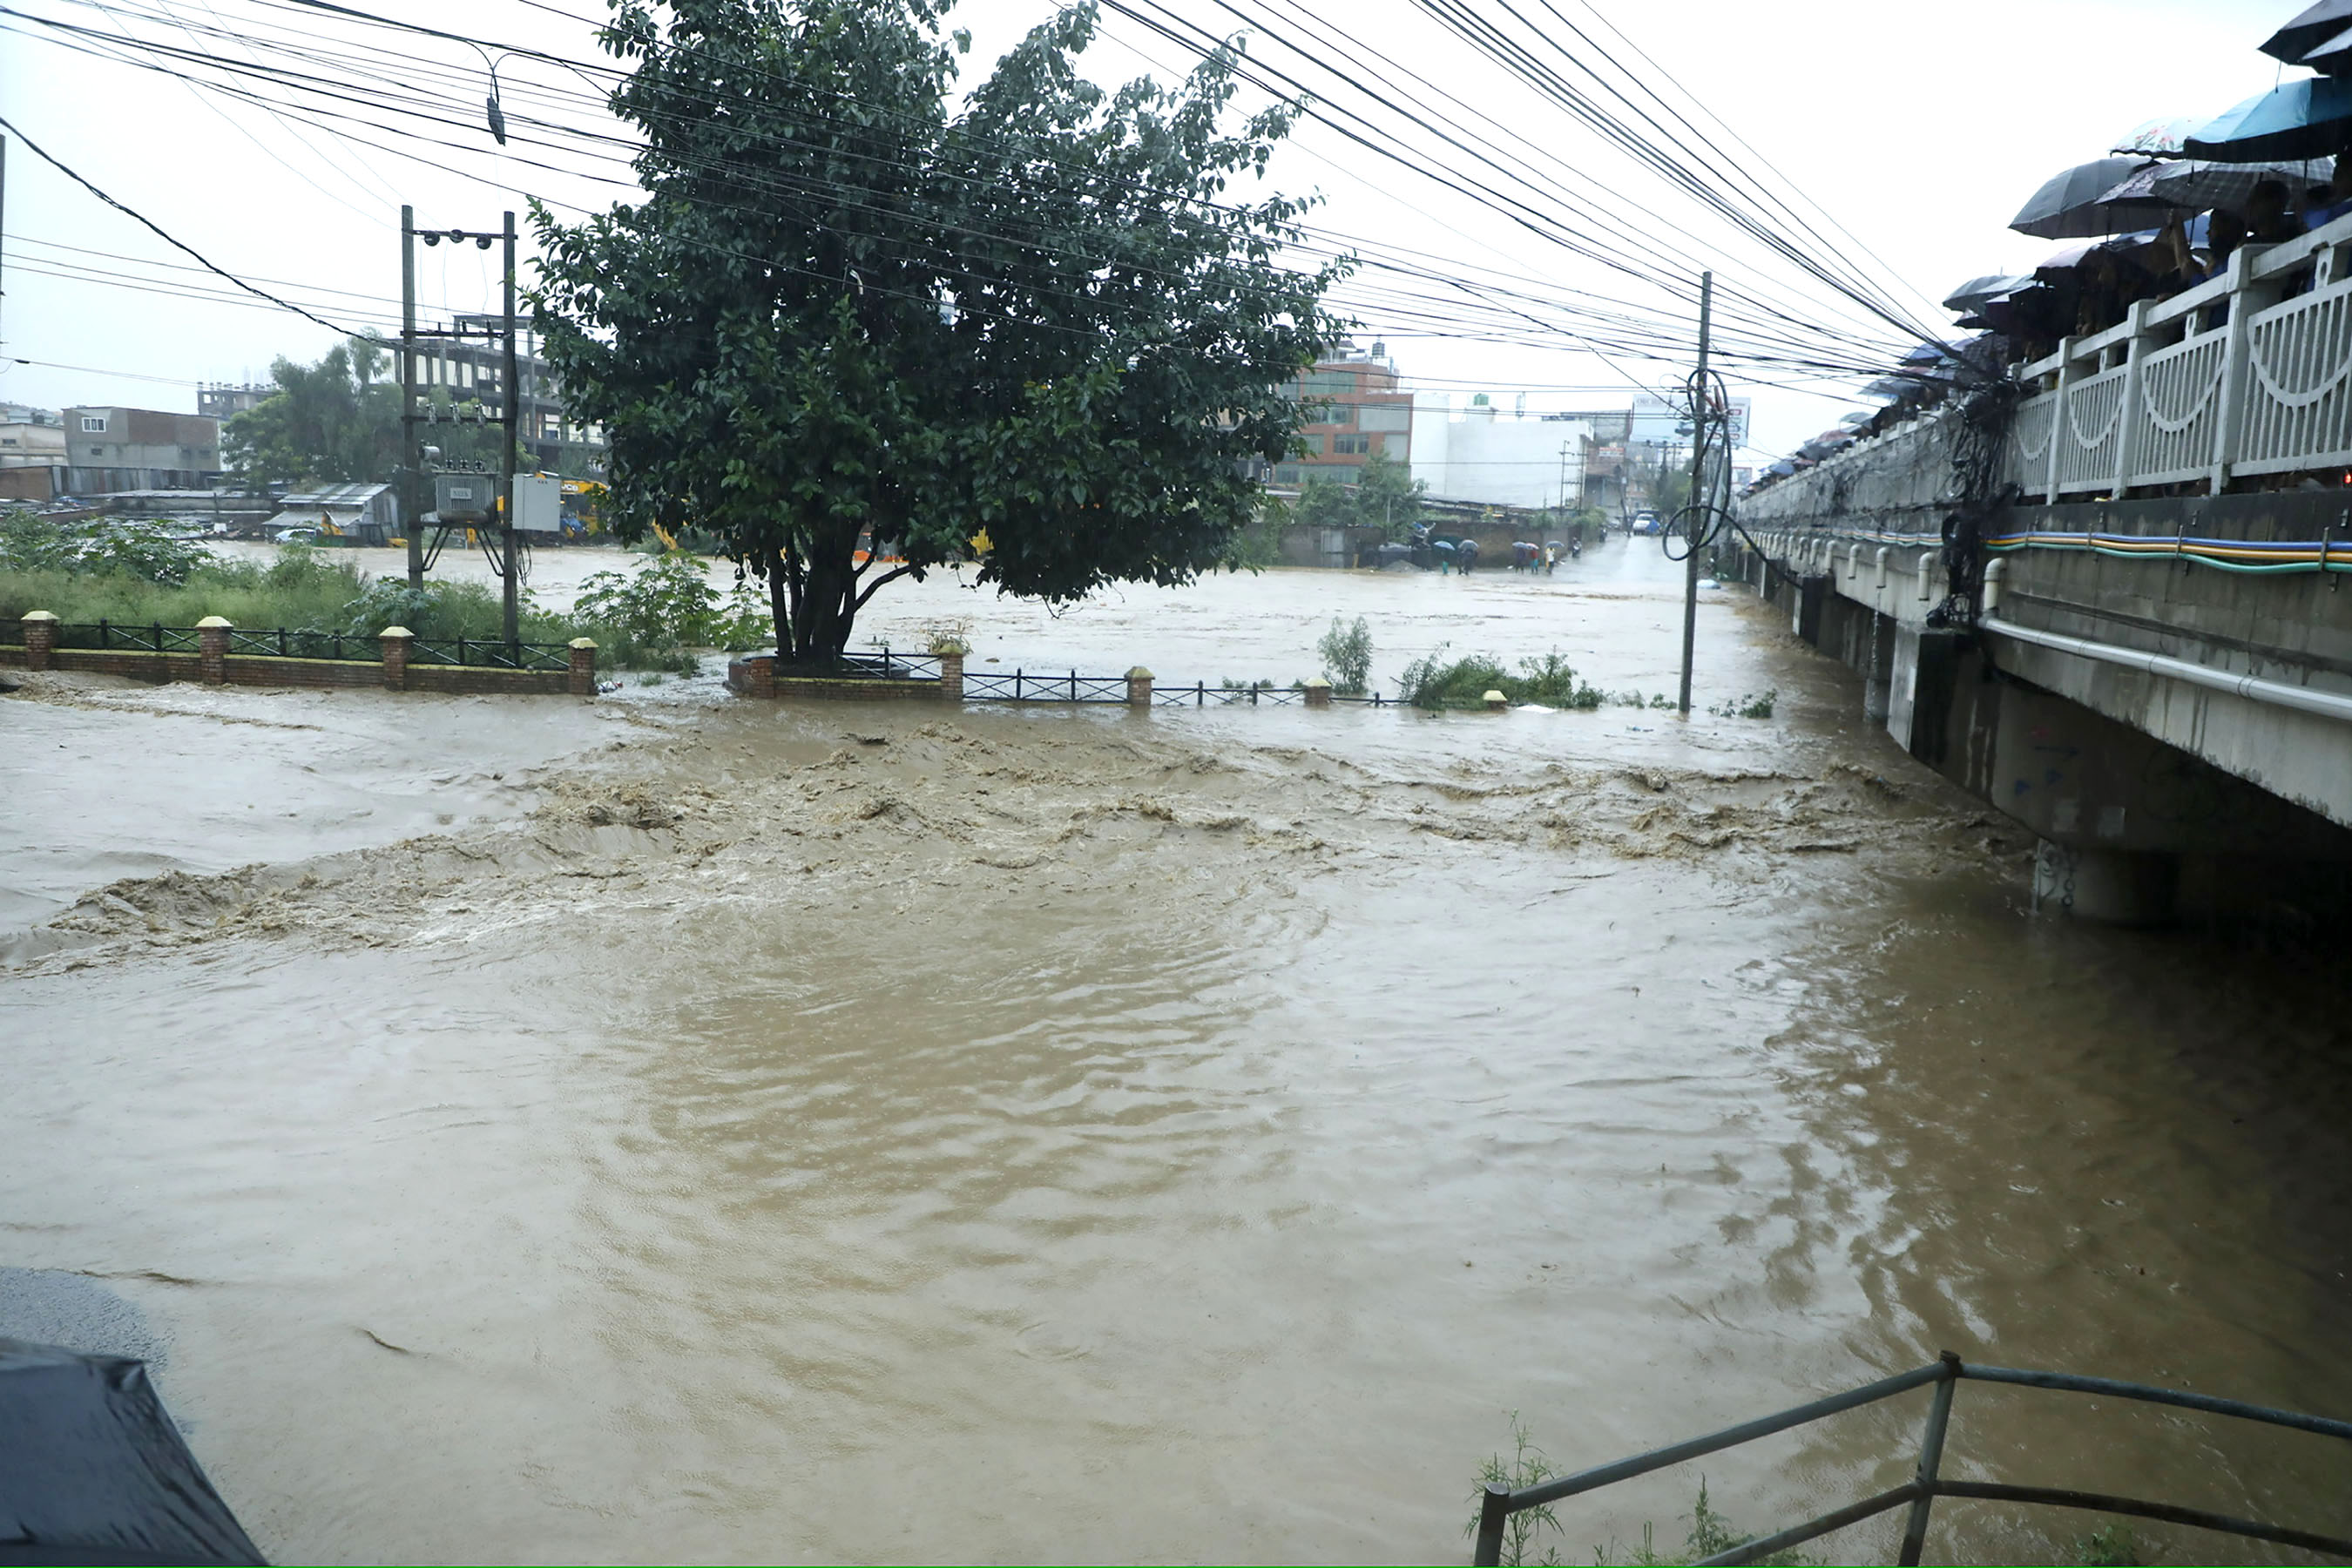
[850, 306]
[1385, 496]
[334, 421]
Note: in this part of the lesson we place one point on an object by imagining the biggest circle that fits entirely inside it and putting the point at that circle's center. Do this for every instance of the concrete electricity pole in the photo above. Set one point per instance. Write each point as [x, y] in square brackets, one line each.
[412, 498]
[1700, 414]
[511, 388]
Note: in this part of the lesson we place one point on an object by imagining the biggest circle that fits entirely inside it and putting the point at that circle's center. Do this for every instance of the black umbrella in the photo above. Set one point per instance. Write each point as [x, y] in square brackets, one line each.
[2308, 30]
[2069, 207]
[92, 1470]
[2334, 57]
[1971, 295]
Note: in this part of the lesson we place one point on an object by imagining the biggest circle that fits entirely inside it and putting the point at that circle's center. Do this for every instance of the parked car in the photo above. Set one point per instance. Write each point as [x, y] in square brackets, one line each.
[302, 535]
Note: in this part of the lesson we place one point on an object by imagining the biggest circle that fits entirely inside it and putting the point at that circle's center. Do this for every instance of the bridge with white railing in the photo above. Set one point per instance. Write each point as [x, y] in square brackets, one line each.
[2242, 377]
[2110, 604]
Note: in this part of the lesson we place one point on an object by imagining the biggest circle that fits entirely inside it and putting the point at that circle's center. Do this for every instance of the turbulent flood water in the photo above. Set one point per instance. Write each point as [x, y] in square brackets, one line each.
[679, 1128]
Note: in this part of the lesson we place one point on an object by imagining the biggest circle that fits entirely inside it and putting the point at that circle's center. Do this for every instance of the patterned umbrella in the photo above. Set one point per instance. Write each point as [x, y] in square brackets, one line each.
[2158, 138]
[2069, 205]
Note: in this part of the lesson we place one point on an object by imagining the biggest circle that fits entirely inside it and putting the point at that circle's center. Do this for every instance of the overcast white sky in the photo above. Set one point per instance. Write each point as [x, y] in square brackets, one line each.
[1920, 128]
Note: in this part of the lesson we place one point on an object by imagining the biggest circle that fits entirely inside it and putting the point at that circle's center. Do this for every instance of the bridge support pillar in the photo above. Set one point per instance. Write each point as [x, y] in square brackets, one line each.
[2115, 886]
[1879, 669]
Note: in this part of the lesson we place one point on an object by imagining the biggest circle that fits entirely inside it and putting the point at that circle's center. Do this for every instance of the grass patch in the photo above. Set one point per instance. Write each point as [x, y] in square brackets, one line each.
[306, 590]
[1525, 1544]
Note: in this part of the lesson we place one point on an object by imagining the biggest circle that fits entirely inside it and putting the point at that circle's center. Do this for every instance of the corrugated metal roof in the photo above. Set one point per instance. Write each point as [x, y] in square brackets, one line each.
[335, 495]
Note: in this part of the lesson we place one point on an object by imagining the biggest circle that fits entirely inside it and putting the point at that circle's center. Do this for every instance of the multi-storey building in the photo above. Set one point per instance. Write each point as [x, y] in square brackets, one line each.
[1360, 410]
[219, 400]
[113, 448]
[467, 370]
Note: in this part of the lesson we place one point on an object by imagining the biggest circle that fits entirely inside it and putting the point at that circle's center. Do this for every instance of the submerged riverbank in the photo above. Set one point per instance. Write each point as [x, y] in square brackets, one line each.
[747, 1131]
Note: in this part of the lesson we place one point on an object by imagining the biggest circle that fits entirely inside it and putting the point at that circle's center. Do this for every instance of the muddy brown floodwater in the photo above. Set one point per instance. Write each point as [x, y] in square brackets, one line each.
[682, 1128]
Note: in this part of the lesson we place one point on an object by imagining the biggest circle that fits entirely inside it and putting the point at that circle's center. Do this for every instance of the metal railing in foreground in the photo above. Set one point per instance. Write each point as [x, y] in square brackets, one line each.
[1926, 1485]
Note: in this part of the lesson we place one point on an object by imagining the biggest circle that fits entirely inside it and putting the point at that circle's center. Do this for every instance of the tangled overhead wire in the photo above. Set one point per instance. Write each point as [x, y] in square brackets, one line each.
[1705, 511]
[1980, 434]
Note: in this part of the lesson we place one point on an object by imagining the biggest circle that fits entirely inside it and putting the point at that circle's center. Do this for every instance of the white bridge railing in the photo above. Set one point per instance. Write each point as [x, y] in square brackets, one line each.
[2246, 374]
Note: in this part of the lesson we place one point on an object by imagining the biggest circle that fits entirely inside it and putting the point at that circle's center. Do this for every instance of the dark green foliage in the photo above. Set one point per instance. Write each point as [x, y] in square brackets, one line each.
[1386, 496]
[850, 307]
[333, 421]
[1431, 682]
[127, 547]
[671, 605]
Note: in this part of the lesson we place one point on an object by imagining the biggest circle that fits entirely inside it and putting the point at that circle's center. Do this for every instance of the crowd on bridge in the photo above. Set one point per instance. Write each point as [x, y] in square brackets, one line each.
[2163, 212]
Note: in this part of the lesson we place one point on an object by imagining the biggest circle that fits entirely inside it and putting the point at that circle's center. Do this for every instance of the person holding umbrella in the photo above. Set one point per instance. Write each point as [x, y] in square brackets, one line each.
[2268, 222]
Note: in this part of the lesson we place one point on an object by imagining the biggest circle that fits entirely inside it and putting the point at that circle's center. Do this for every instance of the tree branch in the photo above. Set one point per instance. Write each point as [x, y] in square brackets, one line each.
[895, 572]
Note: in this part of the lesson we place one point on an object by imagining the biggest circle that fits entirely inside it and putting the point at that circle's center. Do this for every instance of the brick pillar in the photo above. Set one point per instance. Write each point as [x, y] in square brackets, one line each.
[40, 637]
[582, 681]
[1138, 687]
[753, 675]
[1318, 692]
[395, 640]
[212, 650]
[951, 676]
[1496, 701]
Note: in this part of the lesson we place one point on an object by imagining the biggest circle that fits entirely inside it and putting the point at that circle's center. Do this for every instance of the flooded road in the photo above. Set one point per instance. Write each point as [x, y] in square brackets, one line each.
[866, 1131]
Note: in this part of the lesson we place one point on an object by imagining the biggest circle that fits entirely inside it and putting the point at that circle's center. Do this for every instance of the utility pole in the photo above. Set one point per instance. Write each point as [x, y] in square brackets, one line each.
[1700, 413]
[511, 388]
[410, 469]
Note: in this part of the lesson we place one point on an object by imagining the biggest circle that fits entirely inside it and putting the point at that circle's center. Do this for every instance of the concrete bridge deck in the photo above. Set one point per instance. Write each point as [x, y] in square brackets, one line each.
[2159, 686]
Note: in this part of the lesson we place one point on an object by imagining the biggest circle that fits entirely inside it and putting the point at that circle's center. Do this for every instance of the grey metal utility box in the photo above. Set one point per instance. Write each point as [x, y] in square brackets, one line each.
[466, 498]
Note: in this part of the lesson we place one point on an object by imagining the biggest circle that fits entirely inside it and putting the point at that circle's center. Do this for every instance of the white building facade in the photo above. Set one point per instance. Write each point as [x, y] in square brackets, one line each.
[1479, 454]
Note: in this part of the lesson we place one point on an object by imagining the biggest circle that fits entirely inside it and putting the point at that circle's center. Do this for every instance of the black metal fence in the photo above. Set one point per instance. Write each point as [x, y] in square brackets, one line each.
[888, 666]
[1927, 1484]
[154, 637]
[285, 643]
[487, 653]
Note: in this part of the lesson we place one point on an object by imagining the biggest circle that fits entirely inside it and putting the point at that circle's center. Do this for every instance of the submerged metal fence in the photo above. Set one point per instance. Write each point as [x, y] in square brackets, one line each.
[1022, 687]
[1927, 1483]
[1201, 695]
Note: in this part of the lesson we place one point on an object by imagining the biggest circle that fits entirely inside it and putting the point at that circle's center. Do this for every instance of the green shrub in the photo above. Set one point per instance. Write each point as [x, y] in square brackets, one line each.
[1347, 652]
[1747, 705]
[1432, 683]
